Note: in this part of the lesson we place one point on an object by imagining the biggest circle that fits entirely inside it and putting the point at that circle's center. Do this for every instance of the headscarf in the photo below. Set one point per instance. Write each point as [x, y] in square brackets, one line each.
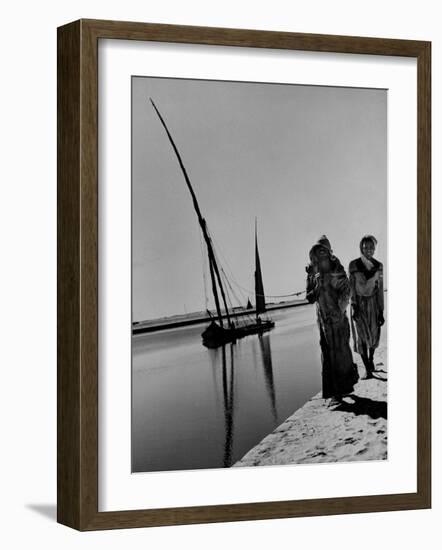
[322, 242]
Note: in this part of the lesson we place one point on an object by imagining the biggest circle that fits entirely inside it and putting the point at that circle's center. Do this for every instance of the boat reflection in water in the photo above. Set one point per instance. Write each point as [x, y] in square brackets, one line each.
[227, 355]
[266, 351]
[228, 395]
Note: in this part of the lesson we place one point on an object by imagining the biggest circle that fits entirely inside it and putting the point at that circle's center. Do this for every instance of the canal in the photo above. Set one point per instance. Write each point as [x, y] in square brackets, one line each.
[194, 407]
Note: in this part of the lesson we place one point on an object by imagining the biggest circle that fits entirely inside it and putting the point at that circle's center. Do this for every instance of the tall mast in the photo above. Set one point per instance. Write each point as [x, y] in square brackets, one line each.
[259, 287]
[214, 271]
[215, 291]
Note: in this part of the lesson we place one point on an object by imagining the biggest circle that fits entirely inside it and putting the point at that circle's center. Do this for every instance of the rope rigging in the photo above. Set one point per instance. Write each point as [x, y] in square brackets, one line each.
[248, 290]
[226, 281]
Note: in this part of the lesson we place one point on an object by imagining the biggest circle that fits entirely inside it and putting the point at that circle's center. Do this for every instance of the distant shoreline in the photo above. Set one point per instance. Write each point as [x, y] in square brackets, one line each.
[142, 327]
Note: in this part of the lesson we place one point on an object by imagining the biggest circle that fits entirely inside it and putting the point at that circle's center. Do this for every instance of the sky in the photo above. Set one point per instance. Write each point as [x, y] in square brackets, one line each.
[303, 160]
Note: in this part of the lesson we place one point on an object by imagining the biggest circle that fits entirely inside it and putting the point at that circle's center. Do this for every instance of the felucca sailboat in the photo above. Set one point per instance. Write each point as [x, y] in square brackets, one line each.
[223, 329]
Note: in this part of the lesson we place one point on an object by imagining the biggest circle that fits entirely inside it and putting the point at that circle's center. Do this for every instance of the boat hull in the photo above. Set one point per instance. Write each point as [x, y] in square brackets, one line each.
[215, 336]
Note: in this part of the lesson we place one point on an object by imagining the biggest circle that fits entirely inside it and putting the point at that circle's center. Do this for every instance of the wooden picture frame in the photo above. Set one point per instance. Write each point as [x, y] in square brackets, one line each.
[77, 459]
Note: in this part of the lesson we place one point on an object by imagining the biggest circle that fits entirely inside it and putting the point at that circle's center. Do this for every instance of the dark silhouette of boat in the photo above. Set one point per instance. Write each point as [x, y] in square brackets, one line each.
[216, 335]
[223, 329]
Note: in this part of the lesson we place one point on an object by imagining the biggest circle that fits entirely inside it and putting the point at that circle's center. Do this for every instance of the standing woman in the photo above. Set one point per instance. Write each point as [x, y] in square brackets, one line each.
[367, 299]
[329, 287]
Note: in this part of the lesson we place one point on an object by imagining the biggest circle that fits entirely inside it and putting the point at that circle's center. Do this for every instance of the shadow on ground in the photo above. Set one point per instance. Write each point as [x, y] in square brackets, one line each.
[363, 405]
[47, 510]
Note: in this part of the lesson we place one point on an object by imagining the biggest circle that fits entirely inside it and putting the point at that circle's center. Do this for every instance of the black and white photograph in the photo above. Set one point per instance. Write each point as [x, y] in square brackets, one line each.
[259, 274]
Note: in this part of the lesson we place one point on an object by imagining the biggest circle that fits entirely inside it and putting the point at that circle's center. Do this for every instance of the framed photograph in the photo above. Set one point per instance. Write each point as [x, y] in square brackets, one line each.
[243, 274]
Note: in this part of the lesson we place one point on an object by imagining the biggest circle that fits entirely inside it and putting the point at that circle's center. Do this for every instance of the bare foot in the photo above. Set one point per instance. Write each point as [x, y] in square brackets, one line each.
[333, 402]
[348, 399]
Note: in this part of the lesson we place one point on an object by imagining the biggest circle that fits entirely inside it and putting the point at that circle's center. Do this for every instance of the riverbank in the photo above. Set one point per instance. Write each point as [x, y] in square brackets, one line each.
[353, 430]
[199, 317]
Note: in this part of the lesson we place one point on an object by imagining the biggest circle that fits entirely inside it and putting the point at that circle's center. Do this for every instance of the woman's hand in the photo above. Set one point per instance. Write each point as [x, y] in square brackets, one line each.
[312, 287]
[318, 281]
[381, 319]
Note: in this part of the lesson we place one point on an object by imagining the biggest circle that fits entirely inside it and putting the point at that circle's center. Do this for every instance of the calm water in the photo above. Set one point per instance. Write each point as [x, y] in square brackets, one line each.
[200, 408]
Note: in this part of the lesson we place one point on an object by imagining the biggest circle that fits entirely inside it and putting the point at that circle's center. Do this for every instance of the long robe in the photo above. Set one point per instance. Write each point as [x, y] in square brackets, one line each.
[339, 373]
[367, 298]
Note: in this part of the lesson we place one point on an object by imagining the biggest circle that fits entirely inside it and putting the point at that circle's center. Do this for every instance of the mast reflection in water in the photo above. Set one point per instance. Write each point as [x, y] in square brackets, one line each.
[228, 394]
[194, 407]
[228, 378]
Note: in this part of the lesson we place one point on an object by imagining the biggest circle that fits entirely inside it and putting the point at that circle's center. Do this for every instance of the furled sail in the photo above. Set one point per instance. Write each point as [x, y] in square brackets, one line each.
[259, 287]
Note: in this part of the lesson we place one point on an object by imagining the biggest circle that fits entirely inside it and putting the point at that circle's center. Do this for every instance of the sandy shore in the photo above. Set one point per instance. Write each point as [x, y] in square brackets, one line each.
[355, 429]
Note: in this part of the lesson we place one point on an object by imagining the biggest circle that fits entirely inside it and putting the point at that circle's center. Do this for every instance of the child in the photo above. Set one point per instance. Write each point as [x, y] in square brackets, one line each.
[367, 299]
